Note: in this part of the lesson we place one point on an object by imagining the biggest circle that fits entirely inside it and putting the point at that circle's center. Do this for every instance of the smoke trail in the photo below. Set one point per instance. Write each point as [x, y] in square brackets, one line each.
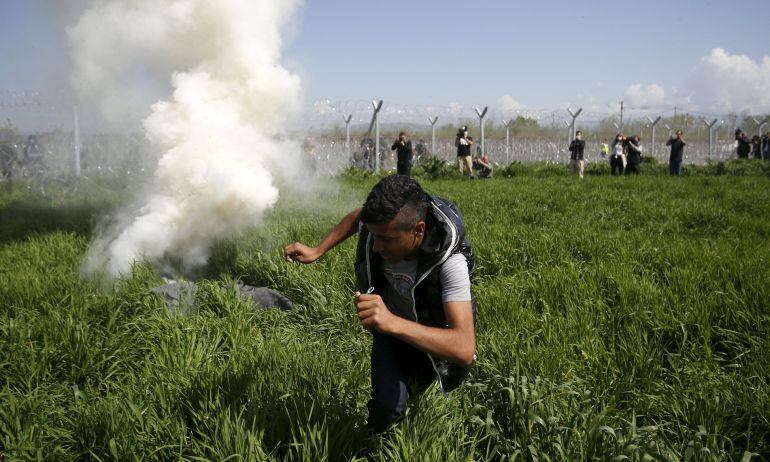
[220, 133]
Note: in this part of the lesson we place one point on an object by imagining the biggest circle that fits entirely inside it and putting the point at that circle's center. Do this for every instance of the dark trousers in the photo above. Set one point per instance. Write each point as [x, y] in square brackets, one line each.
[399, 371]
[404, 166]
[675, 167]
[616, 162]
[485, 172]
[632, 167]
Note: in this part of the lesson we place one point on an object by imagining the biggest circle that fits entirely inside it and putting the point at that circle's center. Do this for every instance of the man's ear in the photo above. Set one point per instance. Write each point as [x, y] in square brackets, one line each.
[419, 228]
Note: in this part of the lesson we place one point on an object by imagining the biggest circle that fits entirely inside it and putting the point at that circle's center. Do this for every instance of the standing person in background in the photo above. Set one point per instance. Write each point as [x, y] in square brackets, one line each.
[677, 144]
[32, 150]
[463, 143]
[618, 157]
[308, 147]
[421, 151]
[766, 146]
[576, 148]
[634, 156]
[756, 147]
[404, 154]
[742, 145]
[605, 150]
[8, 159]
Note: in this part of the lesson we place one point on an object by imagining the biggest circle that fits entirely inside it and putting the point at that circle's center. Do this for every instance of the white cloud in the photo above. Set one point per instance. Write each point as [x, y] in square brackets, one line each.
[645, 95]
[722, 82]
[508, 104]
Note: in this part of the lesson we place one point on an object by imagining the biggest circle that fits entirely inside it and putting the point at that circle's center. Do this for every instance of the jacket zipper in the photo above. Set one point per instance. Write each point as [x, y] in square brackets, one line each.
[368, 266]
[422, 278]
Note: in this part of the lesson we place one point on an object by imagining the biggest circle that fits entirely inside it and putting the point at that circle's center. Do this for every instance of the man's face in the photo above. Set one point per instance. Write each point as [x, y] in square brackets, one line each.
[393, 242]
[402, 137]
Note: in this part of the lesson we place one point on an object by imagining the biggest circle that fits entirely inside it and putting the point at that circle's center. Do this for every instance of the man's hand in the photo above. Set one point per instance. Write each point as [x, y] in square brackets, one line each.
[343, 230]
[373, 313]
[301, 253]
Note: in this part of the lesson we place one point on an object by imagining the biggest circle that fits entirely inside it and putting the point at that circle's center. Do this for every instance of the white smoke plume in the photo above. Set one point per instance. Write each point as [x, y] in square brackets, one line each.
[219, 134]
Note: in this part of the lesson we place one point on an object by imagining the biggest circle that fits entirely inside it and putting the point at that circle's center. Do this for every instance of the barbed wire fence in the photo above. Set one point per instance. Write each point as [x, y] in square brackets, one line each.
[321, 129]
[51, 116]
[547, 144]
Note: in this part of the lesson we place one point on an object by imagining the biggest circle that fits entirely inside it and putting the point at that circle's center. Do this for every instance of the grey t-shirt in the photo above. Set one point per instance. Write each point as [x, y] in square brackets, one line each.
[401, 276]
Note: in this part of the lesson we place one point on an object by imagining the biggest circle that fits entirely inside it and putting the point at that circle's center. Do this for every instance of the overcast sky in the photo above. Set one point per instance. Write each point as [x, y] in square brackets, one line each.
[706, 56]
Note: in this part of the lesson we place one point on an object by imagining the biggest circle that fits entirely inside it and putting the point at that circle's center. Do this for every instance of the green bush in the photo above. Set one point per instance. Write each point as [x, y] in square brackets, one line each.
[435, 168]
[735, 167]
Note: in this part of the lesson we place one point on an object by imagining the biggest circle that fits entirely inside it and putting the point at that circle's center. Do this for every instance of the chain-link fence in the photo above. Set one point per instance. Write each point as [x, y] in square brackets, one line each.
[540, 137]
[333, 155]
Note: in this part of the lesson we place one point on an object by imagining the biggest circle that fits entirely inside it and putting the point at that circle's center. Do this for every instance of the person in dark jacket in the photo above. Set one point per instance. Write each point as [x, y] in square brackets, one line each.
[413, 272]
[32, 150]
[618, 156]
[576, 149]
[756, 147]
[483, 166]
[463, 142]
[743, 146]
[766, 146]
[634, 161]
[404, 154]
[677, 144]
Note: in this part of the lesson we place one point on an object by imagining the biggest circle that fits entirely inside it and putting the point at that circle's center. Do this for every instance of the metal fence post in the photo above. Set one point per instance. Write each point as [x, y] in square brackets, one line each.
[569, 136]
[347, 132]
[574, 117]
[711, 135]
[76, 131]
[376, 105]
[717, 151]
[508, 140]
[481, 115]
[760, 125]
[653, 123]
[433, 135]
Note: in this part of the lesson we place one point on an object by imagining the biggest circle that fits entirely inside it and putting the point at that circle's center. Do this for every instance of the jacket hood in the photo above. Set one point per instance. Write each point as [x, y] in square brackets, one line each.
[442, 234]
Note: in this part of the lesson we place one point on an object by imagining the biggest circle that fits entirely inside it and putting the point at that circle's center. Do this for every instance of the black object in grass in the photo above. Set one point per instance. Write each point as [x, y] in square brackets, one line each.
[180, 295]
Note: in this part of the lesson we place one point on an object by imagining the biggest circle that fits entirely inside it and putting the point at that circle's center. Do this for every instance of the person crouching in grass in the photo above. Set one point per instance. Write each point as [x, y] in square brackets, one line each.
[413, 271]
[483, 165]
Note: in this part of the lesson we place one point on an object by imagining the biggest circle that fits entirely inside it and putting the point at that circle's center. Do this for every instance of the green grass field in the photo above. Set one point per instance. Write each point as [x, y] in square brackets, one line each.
[619, 319]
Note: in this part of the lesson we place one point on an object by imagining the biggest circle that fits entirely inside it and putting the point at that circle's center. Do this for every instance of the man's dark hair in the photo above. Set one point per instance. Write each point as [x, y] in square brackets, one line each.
[394, 194]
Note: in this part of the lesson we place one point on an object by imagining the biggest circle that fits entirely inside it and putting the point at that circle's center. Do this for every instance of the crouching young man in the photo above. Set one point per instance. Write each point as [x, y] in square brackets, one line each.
[413, 271]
